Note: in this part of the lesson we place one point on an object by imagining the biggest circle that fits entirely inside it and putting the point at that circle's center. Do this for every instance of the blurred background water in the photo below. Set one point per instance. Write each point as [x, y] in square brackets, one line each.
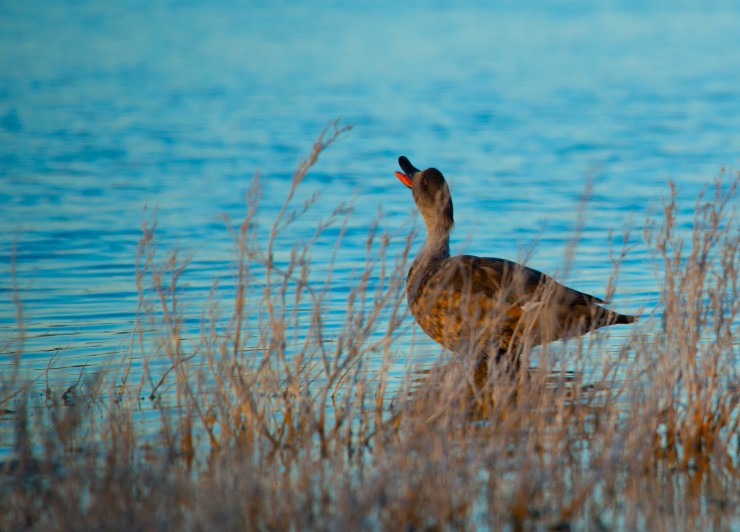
[108, 107]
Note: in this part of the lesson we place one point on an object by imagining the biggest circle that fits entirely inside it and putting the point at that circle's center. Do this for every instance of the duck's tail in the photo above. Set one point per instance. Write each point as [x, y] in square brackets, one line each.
[603, 317]
[623, 318]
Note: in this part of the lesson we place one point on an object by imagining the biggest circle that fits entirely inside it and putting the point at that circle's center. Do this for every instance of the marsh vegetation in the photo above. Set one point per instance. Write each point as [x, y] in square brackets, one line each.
[268, 418]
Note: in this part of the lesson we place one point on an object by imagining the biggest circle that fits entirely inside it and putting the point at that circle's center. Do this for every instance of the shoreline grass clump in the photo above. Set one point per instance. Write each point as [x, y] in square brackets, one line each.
[276, 414]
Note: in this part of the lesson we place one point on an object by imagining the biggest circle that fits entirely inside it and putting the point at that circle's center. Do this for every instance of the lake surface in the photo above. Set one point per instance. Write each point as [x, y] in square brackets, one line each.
[106, 109]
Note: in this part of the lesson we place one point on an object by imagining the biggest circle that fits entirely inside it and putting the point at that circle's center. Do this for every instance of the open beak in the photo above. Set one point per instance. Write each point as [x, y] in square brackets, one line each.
[407, 176]
[406, 180]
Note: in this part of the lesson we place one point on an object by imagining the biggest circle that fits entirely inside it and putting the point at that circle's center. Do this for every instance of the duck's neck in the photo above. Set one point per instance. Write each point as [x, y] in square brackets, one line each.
[436, 248]
[437, 245]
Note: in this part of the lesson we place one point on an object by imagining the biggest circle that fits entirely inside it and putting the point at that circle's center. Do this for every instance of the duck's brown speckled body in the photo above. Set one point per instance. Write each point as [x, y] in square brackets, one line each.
[486, 306]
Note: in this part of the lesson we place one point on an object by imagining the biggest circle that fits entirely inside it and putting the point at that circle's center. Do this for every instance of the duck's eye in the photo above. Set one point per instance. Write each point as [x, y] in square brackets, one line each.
[424, 181]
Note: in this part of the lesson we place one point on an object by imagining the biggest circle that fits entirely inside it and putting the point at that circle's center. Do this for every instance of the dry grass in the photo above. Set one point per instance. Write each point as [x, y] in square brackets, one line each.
[267, 419]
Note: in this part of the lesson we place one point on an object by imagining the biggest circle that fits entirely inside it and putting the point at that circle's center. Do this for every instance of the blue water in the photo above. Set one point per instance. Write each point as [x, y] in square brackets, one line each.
[110, 108]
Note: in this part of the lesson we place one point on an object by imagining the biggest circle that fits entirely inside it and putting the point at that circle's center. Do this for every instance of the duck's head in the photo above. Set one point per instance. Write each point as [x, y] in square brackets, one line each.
[430, 191]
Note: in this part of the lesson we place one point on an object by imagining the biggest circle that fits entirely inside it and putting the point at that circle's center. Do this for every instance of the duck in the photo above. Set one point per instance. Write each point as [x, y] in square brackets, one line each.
[491, 308]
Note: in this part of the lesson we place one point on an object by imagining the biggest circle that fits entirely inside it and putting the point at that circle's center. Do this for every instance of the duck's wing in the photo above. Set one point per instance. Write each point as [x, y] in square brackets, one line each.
[503, 278]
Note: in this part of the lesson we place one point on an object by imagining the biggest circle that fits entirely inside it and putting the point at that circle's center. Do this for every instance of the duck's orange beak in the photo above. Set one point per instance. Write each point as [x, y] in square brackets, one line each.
[406, 180]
